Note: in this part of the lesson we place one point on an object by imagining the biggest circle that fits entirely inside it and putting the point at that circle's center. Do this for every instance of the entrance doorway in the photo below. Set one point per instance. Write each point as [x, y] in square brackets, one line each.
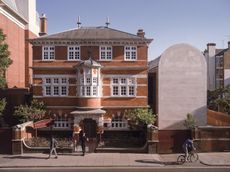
[90, 129]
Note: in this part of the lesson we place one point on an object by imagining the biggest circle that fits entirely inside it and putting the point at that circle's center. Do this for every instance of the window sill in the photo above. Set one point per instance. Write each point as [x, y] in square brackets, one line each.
[128, 97]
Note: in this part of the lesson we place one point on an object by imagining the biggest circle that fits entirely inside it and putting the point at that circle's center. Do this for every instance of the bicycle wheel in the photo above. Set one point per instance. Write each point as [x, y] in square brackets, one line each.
[193, 157]
[181, 159]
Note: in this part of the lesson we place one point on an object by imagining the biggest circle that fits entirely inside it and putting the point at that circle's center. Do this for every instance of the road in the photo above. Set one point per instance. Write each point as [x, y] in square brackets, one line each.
[119, 169]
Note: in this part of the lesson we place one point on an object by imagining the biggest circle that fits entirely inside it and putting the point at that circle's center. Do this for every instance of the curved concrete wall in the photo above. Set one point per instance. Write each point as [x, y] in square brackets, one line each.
[182, 86]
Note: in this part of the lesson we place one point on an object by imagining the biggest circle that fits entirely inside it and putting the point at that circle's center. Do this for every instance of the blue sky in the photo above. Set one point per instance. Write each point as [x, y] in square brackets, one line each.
[168, 22]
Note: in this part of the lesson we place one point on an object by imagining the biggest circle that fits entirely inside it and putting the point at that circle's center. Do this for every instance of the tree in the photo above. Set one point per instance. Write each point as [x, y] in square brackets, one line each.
[219, 99]
[140, 116]
[34, 112]
[5, 61]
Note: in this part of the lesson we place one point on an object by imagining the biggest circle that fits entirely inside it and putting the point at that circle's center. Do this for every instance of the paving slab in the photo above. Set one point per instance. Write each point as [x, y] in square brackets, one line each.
[76, 160]
[215, 158]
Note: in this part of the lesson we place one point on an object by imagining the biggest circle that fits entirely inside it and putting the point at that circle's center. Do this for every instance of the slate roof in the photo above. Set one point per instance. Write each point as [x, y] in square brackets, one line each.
[220, 51]
[153, 63]
[92, 33]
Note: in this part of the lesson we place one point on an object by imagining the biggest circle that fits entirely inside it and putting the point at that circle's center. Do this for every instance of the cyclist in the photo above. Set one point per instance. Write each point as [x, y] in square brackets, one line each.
[188, 147]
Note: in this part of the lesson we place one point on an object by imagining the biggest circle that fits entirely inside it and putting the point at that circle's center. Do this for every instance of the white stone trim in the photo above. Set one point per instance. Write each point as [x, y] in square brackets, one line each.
[55, 97]
[125, 97]
[53, 76]
[125, 67]
[12, 18]
[125, 76]
[93, 42]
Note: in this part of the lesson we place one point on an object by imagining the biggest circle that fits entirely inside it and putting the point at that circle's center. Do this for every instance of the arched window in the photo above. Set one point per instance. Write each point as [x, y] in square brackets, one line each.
[118, 122]
[62, 122]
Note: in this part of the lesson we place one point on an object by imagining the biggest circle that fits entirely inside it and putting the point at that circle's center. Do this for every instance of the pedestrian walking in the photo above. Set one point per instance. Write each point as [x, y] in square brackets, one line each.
[83, 139]
[53, 146]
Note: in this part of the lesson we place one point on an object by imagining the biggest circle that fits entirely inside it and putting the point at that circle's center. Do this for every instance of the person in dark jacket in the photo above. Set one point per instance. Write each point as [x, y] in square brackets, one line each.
[53, 146]
[83, 139]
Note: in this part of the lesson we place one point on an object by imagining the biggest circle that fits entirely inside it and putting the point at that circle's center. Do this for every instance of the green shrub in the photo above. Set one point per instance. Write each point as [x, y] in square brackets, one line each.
[190, 122]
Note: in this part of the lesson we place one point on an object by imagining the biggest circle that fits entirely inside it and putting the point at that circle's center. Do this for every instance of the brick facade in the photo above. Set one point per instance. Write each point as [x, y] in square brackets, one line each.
[77, 106]
[19, 73]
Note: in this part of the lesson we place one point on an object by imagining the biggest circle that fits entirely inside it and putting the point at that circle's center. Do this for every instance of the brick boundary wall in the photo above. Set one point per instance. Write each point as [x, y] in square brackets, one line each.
[218, 118]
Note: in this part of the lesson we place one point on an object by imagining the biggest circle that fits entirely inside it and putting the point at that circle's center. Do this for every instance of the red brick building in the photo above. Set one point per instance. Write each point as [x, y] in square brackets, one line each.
[88, 76]
[20, 22]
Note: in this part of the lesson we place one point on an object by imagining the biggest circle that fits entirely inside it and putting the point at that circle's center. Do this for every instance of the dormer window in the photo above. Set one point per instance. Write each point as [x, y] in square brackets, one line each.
[48, 53]
[74, 52]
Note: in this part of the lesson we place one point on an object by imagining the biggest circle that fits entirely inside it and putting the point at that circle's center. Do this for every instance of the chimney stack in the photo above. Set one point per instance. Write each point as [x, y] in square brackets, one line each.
[211, 47]
[43, 25]
[141, 33]
[228, 44]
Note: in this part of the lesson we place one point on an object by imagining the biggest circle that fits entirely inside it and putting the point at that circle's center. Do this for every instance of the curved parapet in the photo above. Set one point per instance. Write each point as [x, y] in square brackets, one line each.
[182, 86]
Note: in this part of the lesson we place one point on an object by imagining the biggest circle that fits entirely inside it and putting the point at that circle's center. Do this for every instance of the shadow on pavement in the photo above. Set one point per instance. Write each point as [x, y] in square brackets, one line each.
[156, 162]
[70, 154]
[24, 157]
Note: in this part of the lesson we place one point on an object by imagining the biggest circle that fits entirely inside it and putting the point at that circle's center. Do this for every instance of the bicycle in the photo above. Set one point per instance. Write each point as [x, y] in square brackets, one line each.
[192, 157]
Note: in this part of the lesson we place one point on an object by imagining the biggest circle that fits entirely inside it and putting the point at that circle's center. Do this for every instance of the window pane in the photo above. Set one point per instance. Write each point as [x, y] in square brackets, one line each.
[88, 91]
[123, 81]
[48, 90]
[56, 90]
[123, 90]
[94, 80]
[48, 81]
[131, 90]
[115, 81]
[88, 80]
[115, 90]
[63, 90]
[56, 80]
[64, 80]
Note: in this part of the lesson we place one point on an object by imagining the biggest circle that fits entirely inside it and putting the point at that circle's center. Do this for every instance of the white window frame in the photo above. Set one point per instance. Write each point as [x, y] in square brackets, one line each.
[130, 50]
[53, 83]
[106, 50]
[50, 50]
[76, 50]
[125, 86]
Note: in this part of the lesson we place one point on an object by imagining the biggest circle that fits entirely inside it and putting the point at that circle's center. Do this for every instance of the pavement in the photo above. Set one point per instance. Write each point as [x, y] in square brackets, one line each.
[109, 160]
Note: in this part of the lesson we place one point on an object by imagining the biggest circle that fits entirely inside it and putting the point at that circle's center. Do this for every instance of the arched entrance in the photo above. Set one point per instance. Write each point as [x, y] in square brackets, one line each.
[90, 129]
